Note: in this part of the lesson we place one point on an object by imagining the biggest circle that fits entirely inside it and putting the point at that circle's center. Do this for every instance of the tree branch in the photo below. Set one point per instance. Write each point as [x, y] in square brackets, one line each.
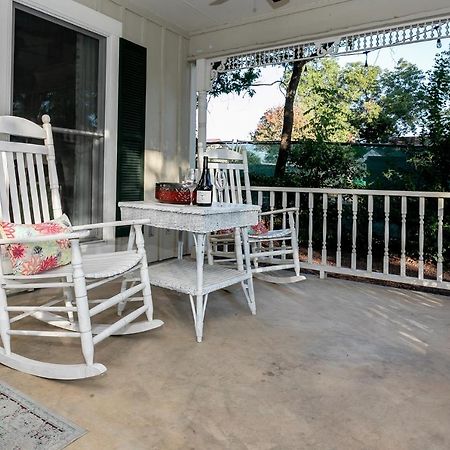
[270, 84]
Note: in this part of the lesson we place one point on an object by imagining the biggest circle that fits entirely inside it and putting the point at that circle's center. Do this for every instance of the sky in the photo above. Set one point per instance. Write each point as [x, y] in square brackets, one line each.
[235, 117]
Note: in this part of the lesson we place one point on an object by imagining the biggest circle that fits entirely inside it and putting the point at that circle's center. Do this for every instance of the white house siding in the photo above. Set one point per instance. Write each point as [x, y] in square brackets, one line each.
[317, 19]
[168, 102]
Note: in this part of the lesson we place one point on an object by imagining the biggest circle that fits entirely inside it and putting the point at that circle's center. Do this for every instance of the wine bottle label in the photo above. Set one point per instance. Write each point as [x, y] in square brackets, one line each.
[204, 197]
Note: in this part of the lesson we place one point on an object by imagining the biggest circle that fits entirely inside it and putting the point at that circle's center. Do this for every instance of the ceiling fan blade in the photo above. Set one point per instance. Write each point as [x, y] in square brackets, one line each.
[278, 3]
[217, 2]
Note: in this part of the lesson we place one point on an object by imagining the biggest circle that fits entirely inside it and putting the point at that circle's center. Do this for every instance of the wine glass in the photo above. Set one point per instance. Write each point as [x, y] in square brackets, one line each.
[220, 181]
[189, 180]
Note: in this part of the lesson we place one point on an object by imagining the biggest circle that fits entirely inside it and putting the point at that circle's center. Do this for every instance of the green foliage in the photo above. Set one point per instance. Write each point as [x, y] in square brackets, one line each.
[437, 124]
[357, 103]
[315, 164]
[239, 81]
[325, 164]
[399, 99]
[403, 96]
[332, 96]
[253, 158]
[271, 123]
[352, 103]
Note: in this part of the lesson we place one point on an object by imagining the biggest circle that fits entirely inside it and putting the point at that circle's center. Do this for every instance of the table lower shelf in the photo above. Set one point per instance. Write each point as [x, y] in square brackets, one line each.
[181, 276]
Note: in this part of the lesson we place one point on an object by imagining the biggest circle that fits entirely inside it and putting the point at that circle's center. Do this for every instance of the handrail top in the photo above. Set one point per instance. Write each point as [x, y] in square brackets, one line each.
[374, 192]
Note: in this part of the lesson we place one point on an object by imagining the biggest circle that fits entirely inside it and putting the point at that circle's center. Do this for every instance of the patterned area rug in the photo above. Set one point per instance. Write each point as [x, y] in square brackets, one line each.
[25, 425]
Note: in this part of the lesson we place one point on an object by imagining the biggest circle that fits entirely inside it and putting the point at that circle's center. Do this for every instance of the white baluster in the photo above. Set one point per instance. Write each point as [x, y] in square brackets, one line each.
[440, 259]
[339, 231]
[421, 234]
[310, 228]
[260, 198]
[284, 205]
[354, 229]
[387, 208]
[272, 207]
[369, 232]
[404, 209]
[324, 229]
[297, 215]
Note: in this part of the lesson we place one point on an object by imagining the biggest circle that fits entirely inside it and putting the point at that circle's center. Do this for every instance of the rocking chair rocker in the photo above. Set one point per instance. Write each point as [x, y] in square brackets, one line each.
[270, 251]
[24, 200]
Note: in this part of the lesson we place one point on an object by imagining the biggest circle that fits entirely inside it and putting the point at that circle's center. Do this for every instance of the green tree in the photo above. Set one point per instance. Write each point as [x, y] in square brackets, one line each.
[238, 81]
[332, 96]
[322, 110]
[288, 117]
[270, 125]
[243, 82]
[432, 162]
[328, 99]
[330, 103]
[399, 103]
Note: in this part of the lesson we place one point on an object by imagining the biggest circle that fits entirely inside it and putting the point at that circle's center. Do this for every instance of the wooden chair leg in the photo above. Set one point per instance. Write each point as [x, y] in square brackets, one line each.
[248, 285]
[294, 244]
[69, 302]
[295, 255]
[238, 249]
[254, 248]
[4, 323]
[209, 250]
[146, 292]
[123, 286]
[81, 300]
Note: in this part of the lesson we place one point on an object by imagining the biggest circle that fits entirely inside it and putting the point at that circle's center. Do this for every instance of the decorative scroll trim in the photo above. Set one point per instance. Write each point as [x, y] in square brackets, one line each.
[345, 45]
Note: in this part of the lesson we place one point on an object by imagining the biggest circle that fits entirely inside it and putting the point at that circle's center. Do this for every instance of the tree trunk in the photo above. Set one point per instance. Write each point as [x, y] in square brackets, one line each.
[288, 119]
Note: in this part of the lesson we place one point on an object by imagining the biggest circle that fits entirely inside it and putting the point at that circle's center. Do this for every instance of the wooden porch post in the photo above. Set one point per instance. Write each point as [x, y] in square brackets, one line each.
[203, 86]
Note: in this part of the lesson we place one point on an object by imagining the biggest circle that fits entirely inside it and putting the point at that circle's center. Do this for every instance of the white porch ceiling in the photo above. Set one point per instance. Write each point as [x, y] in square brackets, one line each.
[238, 26]
[194, 16]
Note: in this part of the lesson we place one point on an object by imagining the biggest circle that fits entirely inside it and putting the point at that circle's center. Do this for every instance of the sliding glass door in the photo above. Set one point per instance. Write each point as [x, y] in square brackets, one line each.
[59, 70]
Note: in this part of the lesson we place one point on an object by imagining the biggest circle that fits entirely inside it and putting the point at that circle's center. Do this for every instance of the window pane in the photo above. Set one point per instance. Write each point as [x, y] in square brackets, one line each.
[57, 71]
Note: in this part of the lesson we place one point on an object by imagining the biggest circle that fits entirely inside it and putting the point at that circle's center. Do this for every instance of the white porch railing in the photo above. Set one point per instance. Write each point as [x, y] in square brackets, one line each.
[385, 235]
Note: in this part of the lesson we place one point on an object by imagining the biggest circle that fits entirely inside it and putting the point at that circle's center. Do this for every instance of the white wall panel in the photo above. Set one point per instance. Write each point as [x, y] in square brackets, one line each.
[89, 3]
[110, 8]
[185, 99]
[167, 114]
[133, 27]
[153, 37]
[171, 92]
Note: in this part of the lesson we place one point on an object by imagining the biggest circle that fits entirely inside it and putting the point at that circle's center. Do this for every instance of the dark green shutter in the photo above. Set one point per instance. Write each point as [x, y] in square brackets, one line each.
[131, 124]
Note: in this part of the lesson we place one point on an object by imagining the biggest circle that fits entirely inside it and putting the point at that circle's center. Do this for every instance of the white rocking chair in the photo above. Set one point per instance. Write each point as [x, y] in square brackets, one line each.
[270, 251]
[24, 199]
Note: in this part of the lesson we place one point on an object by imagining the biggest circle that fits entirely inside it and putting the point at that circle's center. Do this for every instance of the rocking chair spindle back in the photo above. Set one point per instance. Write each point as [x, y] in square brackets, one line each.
[274, 250]
[25, 184]
[29, 194]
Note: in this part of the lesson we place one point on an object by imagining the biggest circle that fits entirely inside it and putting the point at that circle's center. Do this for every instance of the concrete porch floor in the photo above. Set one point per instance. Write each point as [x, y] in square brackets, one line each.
[325, 364]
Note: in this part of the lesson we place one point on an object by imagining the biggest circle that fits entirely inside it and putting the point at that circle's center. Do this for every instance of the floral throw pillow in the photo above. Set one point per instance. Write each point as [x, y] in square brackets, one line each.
[35, 257]
[259, 228]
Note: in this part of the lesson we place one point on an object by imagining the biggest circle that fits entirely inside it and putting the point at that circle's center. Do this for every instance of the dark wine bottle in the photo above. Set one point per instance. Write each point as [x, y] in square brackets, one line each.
[204, 190]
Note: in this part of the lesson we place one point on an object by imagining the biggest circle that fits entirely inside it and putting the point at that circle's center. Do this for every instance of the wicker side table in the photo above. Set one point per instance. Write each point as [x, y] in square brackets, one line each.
[194, 277]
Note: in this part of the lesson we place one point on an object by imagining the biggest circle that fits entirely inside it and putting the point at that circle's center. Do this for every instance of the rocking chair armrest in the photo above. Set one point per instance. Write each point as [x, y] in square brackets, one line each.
[117, 223]
[278, 211]
[46, 237]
